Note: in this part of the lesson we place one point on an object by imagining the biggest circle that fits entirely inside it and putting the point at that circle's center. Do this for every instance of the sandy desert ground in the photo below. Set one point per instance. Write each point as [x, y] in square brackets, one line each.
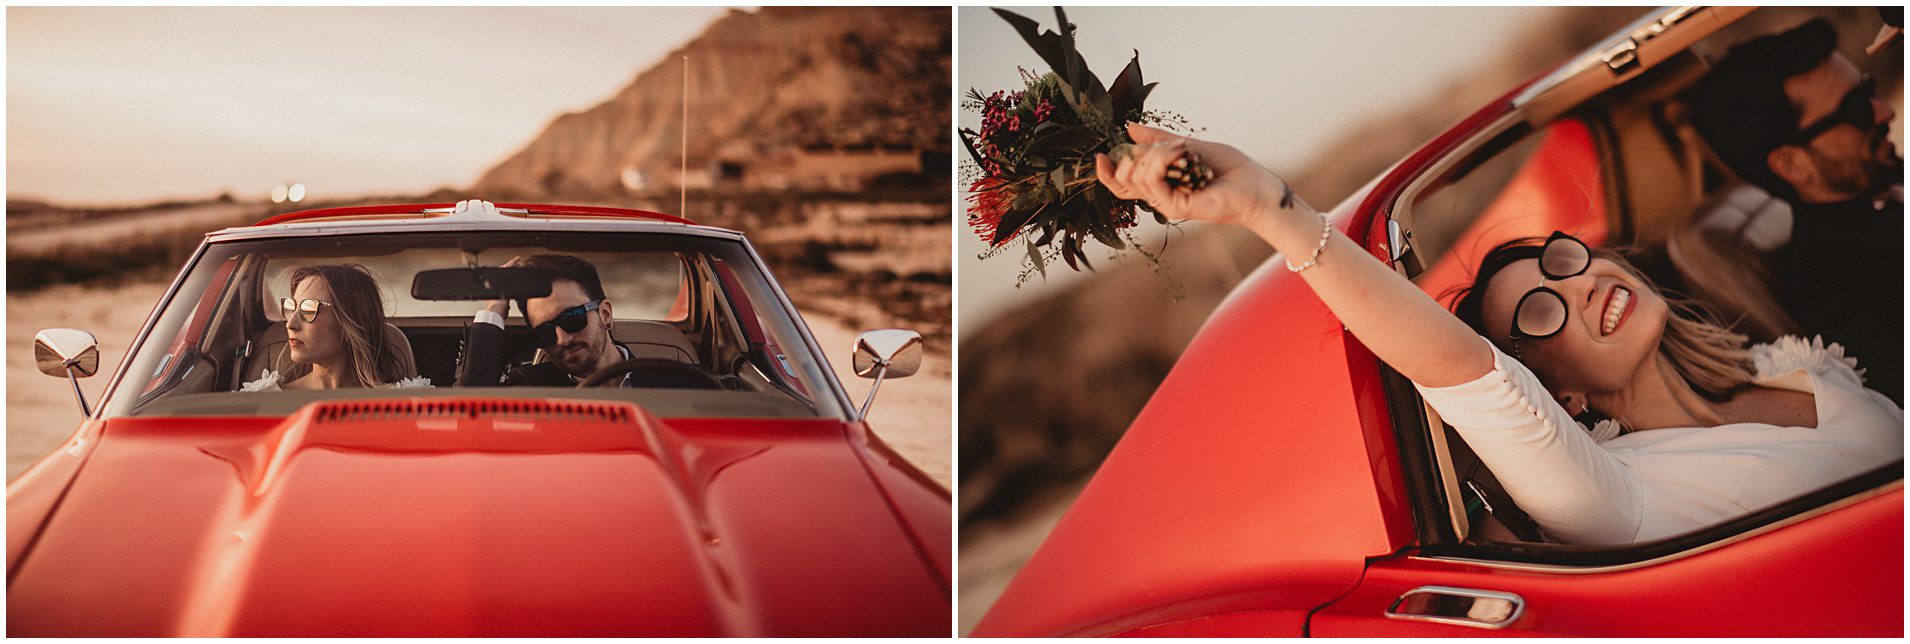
[911, 414]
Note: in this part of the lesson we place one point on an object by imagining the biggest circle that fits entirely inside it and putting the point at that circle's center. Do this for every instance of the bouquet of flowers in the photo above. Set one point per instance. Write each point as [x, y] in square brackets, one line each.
[1033, 175]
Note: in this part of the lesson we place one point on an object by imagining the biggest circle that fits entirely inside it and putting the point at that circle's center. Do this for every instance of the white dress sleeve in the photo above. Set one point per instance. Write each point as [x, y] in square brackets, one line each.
[1576, 490]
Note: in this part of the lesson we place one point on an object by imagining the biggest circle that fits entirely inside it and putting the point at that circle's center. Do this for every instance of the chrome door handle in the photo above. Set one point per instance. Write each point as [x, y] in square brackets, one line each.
[1462, 606]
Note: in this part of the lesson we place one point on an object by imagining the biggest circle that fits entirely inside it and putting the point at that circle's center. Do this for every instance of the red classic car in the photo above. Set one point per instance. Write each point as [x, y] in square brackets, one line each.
[749, 500]
[1284, 482]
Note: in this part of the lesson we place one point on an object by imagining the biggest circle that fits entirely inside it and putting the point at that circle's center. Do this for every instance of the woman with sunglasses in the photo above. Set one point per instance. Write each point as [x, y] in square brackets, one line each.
[336, 335]
[1704, 429]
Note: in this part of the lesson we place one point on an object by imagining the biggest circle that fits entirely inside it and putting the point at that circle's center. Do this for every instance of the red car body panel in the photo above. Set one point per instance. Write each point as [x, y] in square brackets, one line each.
[495, 527]
[479, 513]
[1163, 532]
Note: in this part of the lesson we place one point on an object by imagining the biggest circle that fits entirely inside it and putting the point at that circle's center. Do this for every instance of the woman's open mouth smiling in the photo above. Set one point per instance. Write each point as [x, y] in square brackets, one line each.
[1617, 308]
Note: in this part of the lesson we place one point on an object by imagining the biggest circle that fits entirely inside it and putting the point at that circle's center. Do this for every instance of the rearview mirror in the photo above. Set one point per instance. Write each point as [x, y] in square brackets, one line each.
[481, 283]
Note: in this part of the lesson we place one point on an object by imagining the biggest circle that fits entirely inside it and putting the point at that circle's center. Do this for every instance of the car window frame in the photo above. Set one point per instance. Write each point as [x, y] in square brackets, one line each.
[830, 402]
[1442, 527]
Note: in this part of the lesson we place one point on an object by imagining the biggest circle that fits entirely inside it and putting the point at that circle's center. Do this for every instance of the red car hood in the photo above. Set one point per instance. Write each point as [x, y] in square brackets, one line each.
[479, 517]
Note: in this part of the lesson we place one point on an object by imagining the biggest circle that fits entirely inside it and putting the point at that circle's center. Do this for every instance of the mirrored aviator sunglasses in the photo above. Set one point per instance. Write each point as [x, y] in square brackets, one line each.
[1541, 312]
[306, 309]
[571, 320]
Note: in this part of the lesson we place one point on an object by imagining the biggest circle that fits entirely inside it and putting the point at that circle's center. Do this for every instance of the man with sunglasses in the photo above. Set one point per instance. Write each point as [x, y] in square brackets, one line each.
[1789, 114]
[572, 326]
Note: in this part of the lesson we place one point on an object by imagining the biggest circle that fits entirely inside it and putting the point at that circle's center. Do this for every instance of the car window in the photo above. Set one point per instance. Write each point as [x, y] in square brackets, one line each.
[643, 285]
[1623, 168]
[701, 301]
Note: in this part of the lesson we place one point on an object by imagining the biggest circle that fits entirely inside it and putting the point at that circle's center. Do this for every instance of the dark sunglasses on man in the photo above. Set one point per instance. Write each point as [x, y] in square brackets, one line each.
[571, 320]
[1857, 109]
[1541, 312]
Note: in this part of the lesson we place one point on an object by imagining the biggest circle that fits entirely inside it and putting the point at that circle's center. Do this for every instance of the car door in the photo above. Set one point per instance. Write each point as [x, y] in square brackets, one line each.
[1833, 571]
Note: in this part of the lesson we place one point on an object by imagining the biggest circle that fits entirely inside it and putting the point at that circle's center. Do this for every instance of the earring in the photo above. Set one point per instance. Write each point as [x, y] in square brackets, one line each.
[1586, 416]
[1567, 401]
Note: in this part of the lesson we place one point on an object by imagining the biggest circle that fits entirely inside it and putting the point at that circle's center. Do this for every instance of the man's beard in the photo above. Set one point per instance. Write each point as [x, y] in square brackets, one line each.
[1868, 177]
[578, 358]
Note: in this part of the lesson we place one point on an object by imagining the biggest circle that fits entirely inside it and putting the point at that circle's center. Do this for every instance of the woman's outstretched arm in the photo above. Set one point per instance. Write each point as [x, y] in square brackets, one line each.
[1401, 324]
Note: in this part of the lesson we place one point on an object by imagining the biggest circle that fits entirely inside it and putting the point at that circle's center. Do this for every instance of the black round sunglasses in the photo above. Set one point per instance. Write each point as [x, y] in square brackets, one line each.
[1541, 312]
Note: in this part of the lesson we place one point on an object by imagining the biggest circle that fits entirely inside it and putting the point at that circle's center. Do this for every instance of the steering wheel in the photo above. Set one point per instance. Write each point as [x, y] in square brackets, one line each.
[655, 372]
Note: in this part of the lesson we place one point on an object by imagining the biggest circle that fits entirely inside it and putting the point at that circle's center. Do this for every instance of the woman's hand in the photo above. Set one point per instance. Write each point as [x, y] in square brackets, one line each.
[1390, 315]
[1241, 193]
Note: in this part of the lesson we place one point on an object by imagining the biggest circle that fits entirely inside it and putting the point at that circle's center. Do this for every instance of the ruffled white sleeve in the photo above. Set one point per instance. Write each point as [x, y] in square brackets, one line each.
[1791, 353]
[1576, 490]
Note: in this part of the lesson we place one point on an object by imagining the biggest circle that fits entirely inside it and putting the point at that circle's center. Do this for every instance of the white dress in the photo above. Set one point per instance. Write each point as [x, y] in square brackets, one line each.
[1591, 487]
[269, 381]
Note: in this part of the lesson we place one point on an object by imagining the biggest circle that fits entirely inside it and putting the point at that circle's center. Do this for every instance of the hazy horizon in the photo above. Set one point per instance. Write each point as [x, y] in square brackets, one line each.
[118, 106]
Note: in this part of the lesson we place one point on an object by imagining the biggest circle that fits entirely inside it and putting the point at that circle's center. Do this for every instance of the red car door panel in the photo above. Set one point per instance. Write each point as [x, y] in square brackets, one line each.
[1837, 573]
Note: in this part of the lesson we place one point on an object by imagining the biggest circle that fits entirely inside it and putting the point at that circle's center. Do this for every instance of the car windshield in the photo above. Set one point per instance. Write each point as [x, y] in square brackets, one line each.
[220, 339]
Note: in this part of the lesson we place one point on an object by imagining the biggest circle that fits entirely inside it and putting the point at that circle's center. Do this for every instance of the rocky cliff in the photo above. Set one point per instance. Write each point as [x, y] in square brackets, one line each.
[778, 98]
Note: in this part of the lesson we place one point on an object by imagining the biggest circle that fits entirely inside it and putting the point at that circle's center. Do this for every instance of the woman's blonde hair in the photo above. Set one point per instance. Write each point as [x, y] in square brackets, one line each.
[361, 315]
[1706, 353]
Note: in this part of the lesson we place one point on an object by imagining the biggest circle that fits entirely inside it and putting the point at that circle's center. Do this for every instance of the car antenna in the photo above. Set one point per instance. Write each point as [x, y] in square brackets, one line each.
[683, 148]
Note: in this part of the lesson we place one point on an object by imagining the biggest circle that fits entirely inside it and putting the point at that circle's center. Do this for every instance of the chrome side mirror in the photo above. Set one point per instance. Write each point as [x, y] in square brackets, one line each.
[890, 353]
[68, 352]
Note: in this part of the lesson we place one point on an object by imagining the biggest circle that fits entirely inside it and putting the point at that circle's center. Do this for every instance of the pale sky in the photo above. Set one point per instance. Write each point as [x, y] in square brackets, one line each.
[1277, 82]
[125, 105]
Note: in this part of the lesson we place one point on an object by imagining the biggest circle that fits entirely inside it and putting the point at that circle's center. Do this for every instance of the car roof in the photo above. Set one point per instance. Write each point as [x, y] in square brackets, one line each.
[469, 215]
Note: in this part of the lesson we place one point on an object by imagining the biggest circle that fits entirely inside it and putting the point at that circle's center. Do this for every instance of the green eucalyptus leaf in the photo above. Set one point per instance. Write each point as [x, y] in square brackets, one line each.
[1058, 50]
[1034, 255]
[1075, 68]
[1103, 203]
[1102, 227]
[1128, 89]
[1129, 92]
[1048, 45]
[1005, 230]
[970, 145]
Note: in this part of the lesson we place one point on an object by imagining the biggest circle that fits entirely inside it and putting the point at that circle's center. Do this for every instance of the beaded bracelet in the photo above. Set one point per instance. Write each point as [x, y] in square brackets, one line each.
[1326, 232]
